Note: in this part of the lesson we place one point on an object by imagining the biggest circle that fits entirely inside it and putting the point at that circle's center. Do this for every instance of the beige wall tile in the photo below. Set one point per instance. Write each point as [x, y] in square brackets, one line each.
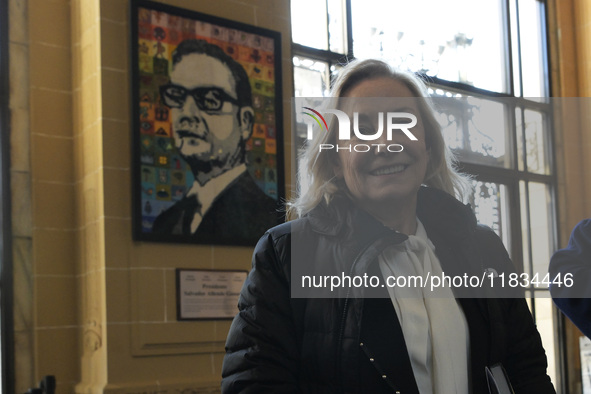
[20, 188]
[201, 385]
[51, 112]
[90, 105]
[118, 299]
[117, 192]
[170, 292]
[232, 257]
[20, 149]
[114, 45]
[277, 7]
[23, 284]
[115, 100]
[91, 143]
[198, 336]
[152, 371]
[53, 158]
[218, 359]
[88, 13]
[277, 22]
[583, 43]
[222, 327]
[76, 75]
[23, 360]
[57, 354]
[148, 294]
[568, 80]
[53, 205]
[91, 199]
[93, 301]
[77, 125]
[55, 252]
[18, 26]
[19, 78]
[92, 248]
[52, 67]
[119, 356]
[90, 37]
[116, 144]
[49, 22]
[89, 58]
[55, 300]
[233, 10]
[161, 255]
[114, 10]
[118, 242]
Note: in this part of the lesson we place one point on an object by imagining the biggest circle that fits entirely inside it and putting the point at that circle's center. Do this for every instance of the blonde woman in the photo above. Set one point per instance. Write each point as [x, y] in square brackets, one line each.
[379, 214]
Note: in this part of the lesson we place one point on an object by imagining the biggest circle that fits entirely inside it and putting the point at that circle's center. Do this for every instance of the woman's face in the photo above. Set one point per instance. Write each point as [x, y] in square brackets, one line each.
[374, 178]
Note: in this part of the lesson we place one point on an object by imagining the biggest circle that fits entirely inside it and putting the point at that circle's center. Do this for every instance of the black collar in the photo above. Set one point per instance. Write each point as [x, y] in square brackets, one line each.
[439, 212]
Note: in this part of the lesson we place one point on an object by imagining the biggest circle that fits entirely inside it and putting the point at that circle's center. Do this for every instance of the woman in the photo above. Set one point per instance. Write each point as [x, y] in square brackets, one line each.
[386, 214]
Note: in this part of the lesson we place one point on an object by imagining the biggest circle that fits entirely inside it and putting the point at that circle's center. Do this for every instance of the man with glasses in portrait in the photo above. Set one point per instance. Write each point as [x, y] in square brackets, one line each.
[210, 101]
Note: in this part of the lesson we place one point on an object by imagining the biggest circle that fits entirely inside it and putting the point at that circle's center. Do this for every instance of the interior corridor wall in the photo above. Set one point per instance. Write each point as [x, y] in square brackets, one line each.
[93, 307]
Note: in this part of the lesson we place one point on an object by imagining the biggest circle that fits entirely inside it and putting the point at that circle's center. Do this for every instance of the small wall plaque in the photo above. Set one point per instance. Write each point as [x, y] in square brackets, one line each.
[208, 294]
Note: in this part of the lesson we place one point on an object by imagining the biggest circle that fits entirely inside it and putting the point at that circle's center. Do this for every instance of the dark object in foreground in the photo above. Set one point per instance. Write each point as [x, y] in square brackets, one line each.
[46, 386]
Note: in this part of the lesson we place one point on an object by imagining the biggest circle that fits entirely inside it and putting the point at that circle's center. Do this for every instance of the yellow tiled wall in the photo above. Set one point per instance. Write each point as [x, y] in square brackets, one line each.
[97, 309]
[53, 204]
[94, 308]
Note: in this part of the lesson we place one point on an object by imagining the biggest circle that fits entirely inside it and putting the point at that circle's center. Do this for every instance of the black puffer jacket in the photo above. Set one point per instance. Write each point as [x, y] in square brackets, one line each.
[352, 343]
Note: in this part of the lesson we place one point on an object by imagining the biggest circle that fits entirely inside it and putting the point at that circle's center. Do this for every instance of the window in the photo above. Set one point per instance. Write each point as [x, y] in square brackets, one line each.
[494, 65]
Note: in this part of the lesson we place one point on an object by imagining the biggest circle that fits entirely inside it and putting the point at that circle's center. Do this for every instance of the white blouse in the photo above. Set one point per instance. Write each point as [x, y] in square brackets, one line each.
[433, 324]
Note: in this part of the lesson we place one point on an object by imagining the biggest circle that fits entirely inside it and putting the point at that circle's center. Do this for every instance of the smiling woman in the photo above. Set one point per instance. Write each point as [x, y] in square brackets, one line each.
[408, 95]
[382, 183]
[369, 219]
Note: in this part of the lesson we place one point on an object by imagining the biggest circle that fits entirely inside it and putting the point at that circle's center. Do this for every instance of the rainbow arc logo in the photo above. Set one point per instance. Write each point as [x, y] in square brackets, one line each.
[315, 118]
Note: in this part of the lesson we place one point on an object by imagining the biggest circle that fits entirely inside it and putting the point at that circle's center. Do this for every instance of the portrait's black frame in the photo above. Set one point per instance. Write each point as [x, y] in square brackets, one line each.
[137, 217]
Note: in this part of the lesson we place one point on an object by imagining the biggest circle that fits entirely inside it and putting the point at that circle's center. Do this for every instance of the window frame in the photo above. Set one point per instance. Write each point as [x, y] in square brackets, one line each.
[510, 177]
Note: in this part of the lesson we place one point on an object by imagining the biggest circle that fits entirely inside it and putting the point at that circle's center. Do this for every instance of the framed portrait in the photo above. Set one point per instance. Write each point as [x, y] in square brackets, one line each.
[207, 156]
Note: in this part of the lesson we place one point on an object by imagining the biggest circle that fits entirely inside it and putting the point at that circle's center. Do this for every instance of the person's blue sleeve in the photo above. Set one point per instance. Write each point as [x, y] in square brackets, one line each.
[574, 262]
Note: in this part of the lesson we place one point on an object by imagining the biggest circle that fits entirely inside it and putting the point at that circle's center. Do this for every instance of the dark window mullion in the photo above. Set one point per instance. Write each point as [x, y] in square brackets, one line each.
[504, 175]
[516, 216]
[327, 26]
[317, 54]
[529, 263]
[523, 139]
[465, 89]
[519, 63]
[349, 27]
[509, 46]
[546, 53]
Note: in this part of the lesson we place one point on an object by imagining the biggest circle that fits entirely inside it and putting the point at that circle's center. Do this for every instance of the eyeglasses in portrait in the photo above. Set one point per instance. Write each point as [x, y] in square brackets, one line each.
[208, 158]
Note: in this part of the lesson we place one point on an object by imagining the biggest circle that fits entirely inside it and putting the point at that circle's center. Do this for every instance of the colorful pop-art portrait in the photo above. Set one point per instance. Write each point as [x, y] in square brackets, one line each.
[208, 163]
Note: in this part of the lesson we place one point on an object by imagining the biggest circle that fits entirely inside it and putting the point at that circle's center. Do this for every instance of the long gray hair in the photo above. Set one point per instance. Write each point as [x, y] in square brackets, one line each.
[441, 171]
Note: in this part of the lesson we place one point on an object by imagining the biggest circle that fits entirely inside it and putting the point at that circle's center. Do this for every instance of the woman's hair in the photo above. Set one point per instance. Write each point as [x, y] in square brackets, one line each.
[319, 167]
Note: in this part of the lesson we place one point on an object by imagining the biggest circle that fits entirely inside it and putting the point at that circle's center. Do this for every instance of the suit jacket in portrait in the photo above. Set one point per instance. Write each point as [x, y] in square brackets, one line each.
[239, 215]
